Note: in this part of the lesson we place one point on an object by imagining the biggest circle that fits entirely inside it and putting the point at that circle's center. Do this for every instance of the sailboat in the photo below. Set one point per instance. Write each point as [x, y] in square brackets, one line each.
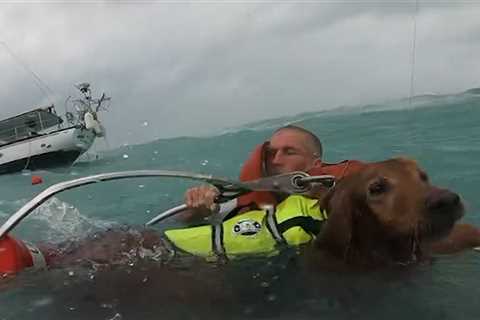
[41, 139]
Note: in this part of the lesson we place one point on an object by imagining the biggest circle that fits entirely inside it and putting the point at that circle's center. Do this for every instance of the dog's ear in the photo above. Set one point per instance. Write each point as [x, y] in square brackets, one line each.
[336, 235]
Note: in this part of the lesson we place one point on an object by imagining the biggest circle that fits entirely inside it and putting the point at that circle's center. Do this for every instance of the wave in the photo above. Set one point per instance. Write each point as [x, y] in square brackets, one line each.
[426, 100]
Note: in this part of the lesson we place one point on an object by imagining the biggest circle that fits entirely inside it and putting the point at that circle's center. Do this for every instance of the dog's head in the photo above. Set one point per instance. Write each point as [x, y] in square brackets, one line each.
[386, 210]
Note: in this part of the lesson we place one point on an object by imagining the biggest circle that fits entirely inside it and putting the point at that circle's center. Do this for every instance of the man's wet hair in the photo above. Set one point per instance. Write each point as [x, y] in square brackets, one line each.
[313, 140]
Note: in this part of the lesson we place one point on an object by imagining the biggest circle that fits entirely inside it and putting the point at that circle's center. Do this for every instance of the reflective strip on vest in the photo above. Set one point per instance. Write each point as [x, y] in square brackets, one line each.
[38, 260]
[295, 222]
[272, 224]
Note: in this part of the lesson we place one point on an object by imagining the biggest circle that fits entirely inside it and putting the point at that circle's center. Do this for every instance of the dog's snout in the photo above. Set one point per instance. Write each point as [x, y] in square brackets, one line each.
[439, 199]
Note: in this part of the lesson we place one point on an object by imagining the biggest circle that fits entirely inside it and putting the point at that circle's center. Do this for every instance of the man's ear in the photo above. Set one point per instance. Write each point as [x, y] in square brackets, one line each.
[263, 158]
[317, 163]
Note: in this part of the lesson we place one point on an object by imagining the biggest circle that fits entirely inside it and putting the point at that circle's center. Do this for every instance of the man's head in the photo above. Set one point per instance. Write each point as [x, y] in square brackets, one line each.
[293, 148]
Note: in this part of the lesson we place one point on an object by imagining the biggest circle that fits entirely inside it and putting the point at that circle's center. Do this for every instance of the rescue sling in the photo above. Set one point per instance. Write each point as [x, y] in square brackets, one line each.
[295, 221]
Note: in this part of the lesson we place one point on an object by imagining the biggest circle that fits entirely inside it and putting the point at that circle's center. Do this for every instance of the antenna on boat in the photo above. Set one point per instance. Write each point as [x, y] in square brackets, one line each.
[46, 90]
[413, 55]
[84, 88]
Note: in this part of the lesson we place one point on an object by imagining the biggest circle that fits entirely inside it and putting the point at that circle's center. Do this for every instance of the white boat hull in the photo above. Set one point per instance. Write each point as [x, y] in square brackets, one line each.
[58, 148]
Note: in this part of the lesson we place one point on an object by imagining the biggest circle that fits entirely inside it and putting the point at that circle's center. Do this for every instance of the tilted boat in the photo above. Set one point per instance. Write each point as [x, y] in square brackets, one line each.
[41, 139]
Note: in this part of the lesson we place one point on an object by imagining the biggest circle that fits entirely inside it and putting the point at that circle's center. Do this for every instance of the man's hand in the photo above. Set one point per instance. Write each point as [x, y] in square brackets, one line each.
[201, 197]
[201, 201]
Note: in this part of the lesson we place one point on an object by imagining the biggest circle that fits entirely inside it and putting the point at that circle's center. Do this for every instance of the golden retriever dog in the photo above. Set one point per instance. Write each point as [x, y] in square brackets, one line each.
[390, 213]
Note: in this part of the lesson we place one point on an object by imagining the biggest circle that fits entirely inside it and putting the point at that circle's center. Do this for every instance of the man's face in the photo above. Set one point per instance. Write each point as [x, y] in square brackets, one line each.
[289, 151]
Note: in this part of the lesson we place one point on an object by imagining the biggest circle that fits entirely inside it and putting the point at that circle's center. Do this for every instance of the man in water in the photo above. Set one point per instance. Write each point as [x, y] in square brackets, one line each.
[290, 148]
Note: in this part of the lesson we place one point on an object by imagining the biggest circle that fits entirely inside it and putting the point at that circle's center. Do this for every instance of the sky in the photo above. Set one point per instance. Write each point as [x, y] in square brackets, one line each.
[176, 68]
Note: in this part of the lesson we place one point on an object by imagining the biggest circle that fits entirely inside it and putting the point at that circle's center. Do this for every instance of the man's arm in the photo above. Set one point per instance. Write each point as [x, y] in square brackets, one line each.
[463, 236]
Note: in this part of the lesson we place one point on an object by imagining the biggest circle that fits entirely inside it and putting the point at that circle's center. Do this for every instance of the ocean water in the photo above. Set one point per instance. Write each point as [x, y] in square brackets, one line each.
[441, 132]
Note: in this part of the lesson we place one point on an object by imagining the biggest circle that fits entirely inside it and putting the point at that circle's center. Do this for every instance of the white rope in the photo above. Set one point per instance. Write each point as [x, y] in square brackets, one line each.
[38, 81]
[29, 155]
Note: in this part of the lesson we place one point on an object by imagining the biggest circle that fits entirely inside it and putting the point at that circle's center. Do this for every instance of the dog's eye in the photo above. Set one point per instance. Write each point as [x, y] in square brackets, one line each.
[423, 176]
[378, 187]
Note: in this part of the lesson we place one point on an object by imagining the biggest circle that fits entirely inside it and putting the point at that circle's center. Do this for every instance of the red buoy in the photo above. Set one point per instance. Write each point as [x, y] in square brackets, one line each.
[16, 255]
[36, 180]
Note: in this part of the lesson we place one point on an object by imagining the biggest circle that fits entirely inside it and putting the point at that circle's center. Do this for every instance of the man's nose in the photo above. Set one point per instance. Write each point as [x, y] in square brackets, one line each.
[277, 158]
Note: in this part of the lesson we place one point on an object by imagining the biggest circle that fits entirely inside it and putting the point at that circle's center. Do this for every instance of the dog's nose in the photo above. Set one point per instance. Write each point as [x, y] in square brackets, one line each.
[440, 199]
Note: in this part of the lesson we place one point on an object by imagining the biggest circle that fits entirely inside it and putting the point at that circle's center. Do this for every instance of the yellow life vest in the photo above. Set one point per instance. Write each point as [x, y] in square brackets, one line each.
[295, 221]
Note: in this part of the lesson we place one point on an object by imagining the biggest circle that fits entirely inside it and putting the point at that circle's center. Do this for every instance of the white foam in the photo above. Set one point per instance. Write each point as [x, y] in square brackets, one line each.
[65, 221]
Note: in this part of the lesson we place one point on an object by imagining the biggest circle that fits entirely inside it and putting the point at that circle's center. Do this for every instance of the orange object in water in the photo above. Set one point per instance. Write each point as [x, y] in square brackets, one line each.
[36, 180]
[252, 169]
[16, 255]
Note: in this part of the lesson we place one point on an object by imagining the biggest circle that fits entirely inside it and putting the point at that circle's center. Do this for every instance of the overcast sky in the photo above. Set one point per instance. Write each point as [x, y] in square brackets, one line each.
[191, 67]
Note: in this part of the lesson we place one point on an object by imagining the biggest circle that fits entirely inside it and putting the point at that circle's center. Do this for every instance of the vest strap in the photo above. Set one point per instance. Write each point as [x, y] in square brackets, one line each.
[272, 225]
[217, 240]
[308, 224]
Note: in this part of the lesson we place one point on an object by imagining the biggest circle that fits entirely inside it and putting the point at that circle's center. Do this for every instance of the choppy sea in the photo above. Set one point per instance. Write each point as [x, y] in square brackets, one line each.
[442, 132]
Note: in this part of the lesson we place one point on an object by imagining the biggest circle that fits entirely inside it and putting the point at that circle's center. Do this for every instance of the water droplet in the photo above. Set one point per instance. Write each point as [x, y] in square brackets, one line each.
[155, 152]
[42, 302]
[248, 310]
[117, 316]
[71, 273]
[125, 156]
[141, 186]
[145, 279]
[145, 123]
[271, 297]
[204, 162]
[265, 284]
